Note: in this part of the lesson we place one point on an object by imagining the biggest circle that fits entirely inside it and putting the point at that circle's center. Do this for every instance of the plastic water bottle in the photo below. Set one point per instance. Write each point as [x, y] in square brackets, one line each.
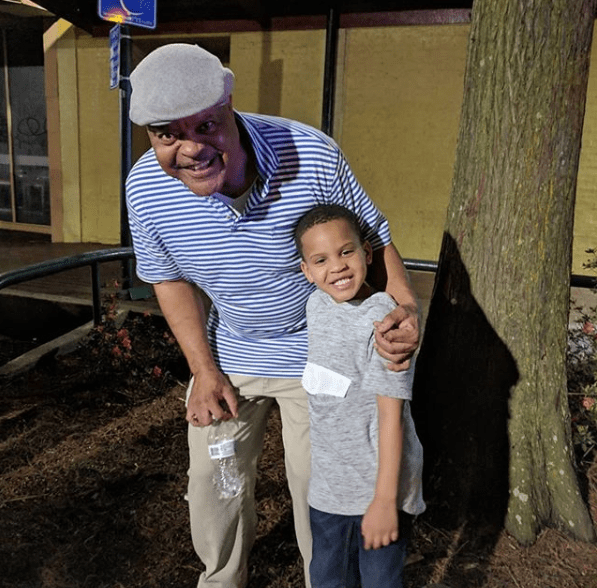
[222, 450]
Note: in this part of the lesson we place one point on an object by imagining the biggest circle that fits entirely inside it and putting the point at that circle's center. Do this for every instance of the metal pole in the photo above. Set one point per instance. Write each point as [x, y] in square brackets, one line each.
[96, 293]
[126, 155]
[329, 76]
[9, 135]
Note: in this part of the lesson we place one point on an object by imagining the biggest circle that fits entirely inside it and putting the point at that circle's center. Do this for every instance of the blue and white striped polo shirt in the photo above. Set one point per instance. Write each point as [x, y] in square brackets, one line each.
[248, 264]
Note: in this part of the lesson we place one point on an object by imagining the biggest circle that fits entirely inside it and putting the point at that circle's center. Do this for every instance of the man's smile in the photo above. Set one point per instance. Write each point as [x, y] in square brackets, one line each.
[198, 166]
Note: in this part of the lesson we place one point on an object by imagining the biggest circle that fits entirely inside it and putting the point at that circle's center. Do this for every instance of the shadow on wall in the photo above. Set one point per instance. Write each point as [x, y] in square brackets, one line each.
[270, 82]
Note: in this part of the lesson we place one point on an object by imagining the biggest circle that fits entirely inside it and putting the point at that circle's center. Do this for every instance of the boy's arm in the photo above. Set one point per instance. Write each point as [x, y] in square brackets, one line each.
[380, 522]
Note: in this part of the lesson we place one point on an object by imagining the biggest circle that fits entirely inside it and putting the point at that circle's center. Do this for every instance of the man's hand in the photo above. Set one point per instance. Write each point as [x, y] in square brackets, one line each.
[212, 397]
[397, 337]
[380, 524]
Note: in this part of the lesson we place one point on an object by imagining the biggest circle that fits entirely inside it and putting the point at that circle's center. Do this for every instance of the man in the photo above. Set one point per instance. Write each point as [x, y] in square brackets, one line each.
[213, 204]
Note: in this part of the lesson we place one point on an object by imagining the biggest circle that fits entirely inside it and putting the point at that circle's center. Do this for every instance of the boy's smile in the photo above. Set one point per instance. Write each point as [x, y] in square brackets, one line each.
[335, 260]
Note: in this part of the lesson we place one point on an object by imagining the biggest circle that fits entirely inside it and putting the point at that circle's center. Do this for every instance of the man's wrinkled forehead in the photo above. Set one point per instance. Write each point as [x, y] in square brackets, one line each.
[176, 81]
[195, 120]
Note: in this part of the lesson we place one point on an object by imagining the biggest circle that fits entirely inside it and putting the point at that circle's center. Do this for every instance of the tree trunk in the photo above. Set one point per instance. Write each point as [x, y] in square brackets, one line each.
[490, 387]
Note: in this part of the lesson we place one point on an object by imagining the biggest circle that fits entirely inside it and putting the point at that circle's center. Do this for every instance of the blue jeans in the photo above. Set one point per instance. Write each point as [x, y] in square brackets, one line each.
[339, 559]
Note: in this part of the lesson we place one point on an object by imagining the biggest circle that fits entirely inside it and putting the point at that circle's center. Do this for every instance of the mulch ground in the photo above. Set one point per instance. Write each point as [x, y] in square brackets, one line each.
[93, 462]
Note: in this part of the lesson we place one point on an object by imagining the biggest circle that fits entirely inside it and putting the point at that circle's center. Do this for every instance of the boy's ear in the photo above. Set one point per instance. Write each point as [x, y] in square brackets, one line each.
[368, 252]
[306, 271]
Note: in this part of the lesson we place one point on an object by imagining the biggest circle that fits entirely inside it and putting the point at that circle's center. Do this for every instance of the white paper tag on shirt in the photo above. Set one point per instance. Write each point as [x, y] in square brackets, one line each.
[321, 380]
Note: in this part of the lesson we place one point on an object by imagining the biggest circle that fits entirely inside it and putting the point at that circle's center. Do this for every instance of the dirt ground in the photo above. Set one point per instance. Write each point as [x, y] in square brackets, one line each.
[93, 470]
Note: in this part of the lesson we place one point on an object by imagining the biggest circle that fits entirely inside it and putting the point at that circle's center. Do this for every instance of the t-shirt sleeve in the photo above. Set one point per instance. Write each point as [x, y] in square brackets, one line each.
[377, 377]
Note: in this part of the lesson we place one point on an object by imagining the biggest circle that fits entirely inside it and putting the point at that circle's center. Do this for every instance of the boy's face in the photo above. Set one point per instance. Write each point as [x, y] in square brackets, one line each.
[335, 260]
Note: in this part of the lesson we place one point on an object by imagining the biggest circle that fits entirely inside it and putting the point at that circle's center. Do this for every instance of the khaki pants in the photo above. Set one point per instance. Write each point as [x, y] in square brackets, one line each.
[223, 531]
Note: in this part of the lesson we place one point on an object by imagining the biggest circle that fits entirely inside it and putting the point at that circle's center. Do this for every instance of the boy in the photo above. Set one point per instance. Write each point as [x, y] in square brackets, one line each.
[366, 460]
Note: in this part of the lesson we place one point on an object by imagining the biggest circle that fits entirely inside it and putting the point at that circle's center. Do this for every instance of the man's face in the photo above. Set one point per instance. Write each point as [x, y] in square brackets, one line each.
[335, 260]
[203, 151]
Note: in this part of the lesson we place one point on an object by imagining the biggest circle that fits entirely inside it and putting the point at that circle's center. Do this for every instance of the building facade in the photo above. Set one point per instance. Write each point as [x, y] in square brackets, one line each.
[397, 105]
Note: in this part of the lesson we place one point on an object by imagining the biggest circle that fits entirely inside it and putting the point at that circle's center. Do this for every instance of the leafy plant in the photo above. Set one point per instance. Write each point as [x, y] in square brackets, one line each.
[582, 376]
[136, 350]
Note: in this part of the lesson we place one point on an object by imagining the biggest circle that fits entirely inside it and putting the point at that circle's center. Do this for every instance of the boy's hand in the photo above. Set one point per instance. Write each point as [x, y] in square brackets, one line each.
[380, 524]
[397, 337]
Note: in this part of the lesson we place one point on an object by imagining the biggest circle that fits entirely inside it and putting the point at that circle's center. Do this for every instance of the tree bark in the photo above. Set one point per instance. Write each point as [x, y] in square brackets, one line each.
[490, 387]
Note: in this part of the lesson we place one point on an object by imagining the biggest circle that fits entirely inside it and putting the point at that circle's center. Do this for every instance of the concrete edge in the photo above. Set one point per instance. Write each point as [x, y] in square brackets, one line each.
[59, 298]
[140, 306]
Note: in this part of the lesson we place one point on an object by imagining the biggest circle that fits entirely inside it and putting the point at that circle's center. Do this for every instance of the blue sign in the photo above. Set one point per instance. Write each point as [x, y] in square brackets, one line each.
[114, 56]
[141, 13]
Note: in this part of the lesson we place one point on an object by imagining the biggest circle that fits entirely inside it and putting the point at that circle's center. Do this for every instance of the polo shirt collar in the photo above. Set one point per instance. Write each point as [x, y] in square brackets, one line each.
[266, 158]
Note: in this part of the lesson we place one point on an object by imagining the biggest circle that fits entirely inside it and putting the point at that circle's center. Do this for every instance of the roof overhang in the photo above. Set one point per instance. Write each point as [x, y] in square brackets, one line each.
[83, 14]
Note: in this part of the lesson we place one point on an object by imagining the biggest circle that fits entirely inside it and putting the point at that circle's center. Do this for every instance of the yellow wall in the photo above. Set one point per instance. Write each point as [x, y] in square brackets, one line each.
[279, 73]
[63, 144]
[88, 187]
[398, 100]
[585, 221]
[402, 94]
[401, 98]
[99, 151]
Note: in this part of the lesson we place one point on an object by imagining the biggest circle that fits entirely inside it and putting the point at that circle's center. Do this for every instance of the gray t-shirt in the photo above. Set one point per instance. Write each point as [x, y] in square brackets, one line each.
[343, 376]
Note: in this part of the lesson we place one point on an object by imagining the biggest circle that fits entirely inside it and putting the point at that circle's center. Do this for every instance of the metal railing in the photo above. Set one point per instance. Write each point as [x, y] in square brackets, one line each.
[95, 258]
[54, 266]
[417, 265]
[583, 281]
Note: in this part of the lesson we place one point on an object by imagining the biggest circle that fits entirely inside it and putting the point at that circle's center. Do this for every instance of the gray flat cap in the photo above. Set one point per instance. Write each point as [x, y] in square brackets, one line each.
[176, 81]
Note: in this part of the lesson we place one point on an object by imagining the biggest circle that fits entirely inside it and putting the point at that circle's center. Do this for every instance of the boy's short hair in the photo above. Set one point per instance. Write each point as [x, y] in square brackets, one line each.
[324, 213]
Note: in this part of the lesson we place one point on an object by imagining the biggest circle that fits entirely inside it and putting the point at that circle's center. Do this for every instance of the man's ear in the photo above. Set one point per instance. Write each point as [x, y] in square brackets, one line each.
[368, 252]
[306, 271]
